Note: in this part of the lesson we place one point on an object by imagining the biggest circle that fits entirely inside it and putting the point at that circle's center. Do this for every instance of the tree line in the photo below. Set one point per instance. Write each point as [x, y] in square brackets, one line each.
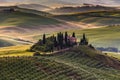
[56, 43]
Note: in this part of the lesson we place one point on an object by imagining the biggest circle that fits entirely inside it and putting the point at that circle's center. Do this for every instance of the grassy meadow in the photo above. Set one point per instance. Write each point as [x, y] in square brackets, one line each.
[15, 51]
[104, 37]
[24, 19]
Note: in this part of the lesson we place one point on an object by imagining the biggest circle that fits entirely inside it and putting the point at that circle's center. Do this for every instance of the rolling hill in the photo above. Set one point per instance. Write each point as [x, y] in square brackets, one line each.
[80, 9]
[4, 43]
[34, 6]
[28, 25]
[79, 63]
[26, 22]
[97, 18]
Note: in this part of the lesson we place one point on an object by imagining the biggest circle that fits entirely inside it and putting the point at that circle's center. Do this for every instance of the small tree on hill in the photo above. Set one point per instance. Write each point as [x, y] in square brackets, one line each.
[73, 35]
[66, 39]
[55, 42]
[84, 40]
[44, 38]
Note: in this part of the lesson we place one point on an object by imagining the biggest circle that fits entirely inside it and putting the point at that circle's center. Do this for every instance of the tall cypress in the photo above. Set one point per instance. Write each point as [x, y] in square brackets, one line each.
[55, 42]
[44, 38]
[84, 40]
[61, 40]
[84, 36]
[73, 35]
[66, 40]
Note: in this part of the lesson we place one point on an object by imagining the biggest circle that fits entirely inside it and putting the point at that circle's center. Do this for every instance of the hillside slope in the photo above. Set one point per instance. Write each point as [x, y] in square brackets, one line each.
[4, 43]
[81, 63]
[26, 22]
[81, 9]
[93, 18]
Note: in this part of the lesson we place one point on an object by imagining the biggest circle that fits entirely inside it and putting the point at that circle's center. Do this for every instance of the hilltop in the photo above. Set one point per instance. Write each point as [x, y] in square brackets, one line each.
[100, 37]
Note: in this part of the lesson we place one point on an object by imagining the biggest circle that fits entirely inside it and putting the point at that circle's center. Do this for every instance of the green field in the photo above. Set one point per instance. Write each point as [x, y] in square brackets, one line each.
[22, 22]
[104, 37]
[24, 19]
[96, 18]
[15, 51]
[69, 65]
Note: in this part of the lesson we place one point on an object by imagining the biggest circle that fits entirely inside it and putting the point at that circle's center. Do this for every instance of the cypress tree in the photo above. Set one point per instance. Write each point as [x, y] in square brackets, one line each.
[58, 38]
[55, 42]
[84, 40]
[66, 40]
[73, 35]
[44, 38]
[61, 40]
[84, 36]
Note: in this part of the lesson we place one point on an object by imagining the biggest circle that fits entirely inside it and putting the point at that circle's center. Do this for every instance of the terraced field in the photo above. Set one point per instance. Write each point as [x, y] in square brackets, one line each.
[69, 65]
[77, 59]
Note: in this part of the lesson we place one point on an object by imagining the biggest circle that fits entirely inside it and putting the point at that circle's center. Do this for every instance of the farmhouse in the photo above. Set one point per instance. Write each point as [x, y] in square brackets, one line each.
[72, 39]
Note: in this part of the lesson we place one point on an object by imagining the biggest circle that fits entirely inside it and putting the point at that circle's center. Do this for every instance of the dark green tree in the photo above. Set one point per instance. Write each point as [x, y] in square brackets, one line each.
[61, 40]
[84, 36]
[84, 40]
[73, 35]
[55, 42]
[44, 38]
[66, 39]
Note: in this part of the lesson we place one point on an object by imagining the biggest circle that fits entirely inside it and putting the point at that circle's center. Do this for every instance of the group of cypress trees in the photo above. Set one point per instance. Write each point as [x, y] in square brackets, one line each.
[61, 41]
[84, 40]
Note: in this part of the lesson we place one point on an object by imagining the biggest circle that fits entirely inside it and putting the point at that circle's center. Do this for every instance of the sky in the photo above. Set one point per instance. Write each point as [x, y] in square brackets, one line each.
[62, 2]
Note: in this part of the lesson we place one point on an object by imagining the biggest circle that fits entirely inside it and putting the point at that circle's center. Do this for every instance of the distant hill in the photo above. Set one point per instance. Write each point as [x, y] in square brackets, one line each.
[96, 18]
[86, 8]
[34, 6]
[22, 22]
[5, 43]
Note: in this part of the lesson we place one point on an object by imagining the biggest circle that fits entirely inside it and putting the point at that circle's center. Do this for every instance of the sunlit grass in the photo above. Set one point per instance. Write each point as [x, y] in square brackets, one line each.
[112, 54]
[15, 51]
